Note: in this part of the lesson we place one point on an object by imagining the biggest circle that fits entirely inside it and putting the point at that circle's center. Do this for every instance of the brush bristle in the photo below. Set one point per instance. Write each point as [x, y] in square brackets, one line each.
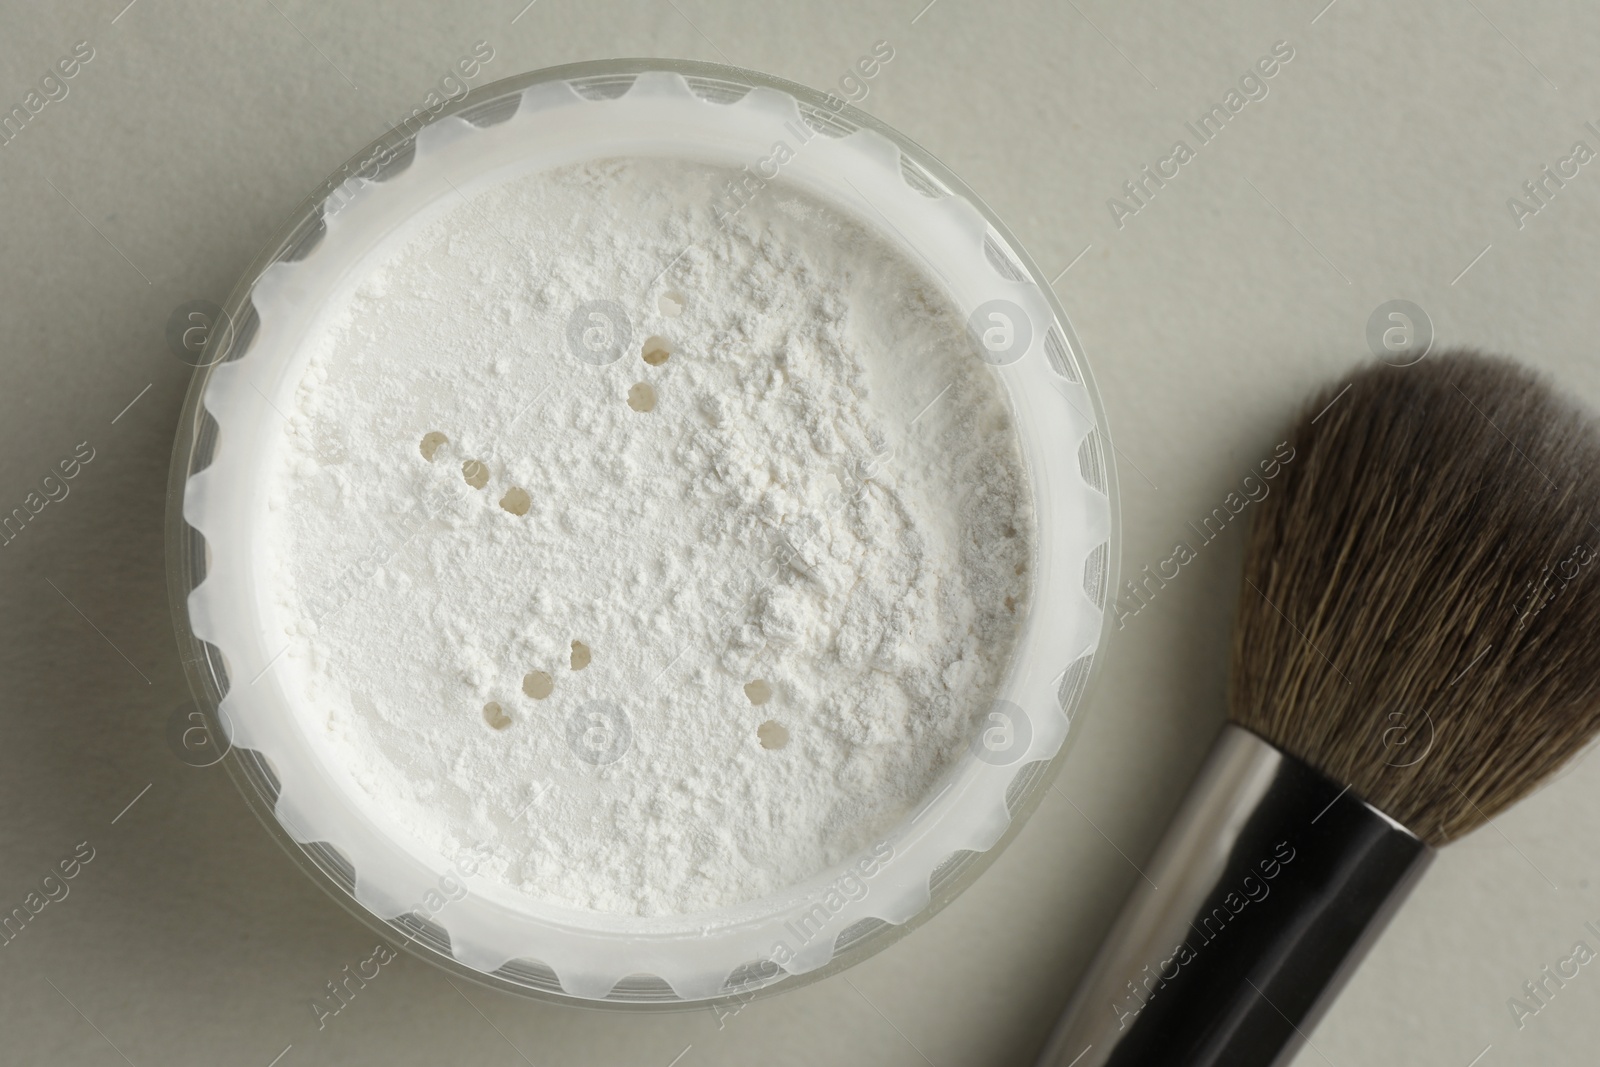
[1420, 612]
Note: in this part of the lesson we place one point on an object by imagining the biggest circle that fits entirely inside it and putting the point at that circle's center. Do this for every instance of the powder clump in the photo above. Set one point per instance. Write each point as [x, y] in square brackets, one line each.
[797, 558]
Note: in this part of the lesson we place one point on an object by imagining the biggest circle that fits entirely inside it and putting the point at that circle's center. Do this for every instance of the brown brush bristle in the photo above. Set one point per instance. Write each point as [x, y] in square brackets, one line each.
[1420, 612]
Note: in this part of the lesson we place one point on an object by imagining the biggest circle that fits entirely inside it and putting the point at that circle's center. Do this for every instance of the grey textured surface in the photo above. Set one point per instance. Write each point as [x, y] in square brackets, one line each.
[1378, 166]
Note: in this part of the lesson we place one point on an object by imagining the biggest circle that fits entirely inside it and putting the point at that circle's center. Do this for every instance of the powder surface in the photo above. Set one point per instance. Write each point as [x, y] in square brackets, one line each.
[667, 633]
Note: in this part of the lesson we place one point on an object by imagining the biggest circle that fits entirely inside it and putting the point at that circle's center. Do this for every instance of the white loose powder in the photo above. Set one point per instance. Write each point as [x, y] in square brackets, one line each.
[669, 633]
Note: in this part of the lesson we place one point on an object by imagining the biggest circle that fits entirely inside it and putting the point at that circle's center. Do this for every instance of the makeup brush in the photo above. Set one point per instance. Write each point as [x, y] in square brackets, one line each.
[1417, 647]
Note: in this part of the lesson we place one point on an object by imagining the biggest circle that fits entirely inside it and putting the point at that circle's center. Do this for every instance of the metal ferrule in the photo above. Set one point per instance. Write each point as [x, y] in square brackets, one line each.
[1264, 895]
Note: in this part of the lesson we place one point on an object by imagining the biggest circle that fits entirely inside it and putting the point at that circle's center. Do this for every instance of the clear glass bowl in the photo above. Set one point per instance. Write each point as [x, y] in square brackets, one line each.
[214, 337]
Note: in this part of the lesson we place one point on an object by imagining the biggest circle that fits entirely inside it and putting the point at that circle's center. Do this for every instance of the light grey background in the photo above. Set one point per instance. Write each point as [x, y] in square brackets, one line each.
[1378, 167]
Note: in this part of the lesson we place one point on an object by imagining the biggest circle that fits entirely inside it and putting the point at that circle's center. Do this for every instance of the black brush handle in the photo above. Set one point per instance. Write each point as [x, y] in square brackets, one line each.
[1264, 895]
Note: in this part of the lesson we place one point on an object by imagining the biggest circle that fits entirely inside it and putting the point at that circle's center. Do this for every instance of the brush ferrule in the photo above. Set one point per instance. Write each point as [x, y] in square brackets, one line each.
[1263, 896]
